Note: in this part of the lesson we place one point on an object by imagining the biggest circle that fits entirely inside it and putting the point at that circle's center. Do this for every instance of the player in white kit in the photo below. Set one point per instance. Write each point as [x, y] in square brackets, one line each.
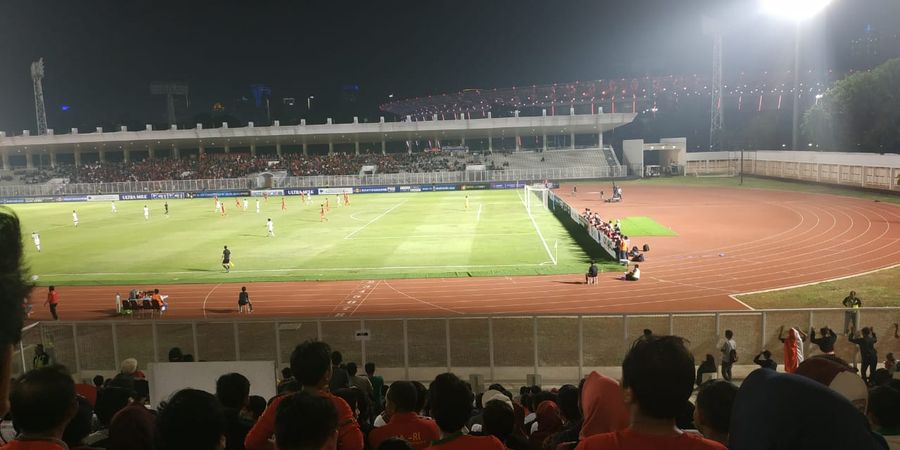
[146, 213]
[257, 206]
[270, 226]
[37, 240]
[218, 206]
[246, 204]
[75, 218]
[114, 209]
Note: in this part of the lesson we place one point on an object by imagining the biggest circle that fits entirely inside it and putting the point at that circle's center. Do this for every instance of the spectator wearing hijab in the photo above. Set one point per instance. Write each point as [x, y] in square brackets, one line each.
[547, 423]
[602, 406]
[132, 428]
[707, 366]
[712, 416]
[774, 411]
[657, 381]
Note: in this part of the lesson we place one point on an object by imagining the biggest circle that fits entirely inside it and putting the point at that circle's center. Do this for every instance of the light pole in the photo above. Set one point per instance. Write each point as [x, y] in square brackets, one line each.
[797, 11]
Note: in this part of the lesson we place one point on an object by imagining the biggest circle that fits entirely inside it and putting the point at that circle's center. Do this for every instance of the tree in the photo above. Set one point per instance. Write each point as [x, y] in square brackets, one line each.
[861, 112]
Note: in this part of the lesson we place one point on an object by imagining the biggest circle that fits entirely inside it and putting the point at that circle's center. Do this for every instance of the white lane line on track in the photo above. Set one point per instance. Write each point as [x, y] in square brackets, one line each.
[207, 298]
[376, 218]
[386, 283]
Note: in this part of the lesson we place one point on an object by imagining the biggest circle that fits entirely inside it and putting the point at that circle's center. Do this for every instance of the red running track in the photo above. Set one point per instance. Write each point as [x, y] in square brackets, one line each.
[730, 241]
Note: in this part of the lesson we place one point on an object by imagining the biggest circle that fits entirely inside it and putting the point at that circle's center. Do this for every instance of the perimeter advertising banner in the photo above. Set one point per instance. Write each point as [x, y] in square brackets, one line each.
[134, 196]
[103, 198]
[301, 191]
[167, 195]
[268, 192]
[333, 191]
[211, 194]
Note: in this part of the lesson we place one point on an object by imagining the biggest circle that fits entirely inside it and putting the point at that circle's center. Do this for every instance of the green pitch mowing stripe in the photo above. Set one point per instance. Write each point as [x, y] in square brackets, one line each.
[644, 226]
[408, 235]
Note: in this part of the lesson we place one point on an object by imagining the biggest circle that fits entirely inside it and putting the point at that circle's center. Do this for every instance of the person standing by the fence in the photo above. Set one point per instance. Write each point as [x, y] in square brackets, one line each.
[729, 354]
[852, 315]
[53, 301]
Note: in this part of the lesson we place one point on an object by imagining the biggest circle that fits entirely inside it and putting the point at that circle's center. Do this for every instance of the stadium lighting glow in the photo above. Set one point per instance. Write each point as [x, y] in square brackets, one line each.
[796, 10]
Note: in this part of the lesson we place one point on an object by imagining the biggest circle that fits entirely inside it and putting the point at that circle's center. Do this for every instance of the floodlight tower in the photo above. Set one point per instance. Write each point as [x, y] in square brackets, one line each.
[712, 27]
[170, 90]
[796, 11]
[37, 74]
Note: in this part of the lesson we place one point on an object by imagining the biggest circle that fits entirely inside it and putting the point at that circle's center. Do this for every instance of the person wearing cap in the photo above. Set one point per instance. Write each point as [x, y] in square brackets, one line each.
[403, 421]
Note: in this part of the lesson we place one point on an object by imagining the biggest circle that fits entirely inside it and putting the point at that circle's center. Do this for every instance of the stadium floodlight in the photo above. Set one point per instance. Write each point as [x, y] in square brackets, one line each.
[796, 10]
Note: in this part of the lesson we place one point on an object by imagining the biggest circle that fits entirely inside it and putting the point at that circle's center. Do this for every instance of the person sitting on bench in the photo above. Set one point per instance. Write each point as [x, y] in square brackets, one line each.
[635, 273]
[591, 276]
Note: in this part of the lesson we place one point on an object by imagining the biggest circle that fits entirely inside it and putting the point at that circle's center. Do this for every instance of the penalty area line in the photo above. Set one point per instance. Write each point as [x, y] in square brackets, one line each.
[374, 219]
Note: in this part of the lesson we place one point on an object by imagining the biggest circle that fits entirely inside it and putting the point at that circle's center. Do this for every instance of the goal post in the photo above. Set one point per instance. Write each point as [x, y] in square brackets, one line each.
[536, 197]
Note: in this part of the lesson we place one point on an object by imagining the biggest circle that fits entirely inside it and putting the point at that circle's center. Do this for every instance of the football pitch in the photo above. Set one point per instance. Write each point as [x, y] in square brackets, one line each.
[408, 235]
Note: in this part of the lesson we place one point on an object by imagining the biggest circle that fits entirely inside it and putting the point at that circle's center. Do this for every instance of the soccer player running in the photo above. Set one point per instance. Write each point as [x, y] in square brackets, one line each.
[37, 240]
[226, 259]
[346, 199]
[283, 205]
[114, 209]
[246, 204]
[166, 205]
[222, 207]
[327, 206]
[146, 213]
[322, 213]
[218, 206]
[257, 206]
[467, 201]
[270, 226]
[75, 218]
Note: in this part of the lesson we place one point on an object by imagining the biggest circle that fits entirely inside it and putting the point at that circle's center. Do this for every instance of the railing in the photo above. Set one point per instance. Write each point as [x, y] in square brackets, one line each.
[315, 181]
[499, 347]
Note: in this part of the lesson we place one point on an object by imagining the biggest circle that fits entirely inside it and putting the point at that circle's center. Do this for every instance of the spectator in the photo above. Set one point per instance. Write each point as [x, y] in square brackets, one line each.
[793, 348]
[98, 381]
[358, 403]
[851, 316]
[311, 366]
[591, 276]
[191, 420]
[451, 405]
[500, 421]
[647, 335]
[884, 412]
[13, 288]
[288, 383]
[545, 425]
[634, 274]
[765, 361]
[826, 341]
[110, 400]
[568, 398]
[394, 443]
[340, 379]
[838, 376]
[602, 406]
[256, 405]
[233, 392]
[657, 380]
[132, 428]
[130, 367]
[42, 402]
[881, 377]
[306, 421]
[403, 420]
[361, 383]
[772, 411]
[377, 383]
[713, 412]
[421, 395]
[867, 352]
[175, 354]
[41, 358]
[708, 366]
[80, 426]
[890, 363]
[729, 354]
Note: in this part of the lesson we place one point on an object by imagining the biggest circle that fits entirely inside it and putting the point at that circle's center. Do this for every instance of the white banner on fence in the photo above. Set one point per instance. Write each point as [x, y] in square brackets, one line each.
[103, 198]
[329, 191]
[264, 192]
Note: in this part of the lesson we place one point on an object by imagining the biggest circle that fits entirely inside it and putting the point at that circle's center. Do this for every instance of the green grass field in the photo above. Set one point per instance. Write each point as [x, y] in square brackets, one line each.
[644, 226]
[378, 236]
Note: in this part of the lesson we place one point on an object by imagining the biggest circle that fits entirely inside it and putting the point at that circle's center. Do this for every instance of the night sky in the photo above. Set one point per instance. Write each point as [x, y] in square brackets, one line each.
[101, 55]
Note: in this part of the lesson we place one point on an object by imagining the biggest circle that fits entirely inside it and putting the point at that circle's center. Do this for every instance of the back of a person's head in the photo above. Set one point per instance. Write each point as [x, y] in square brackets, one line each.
[98, 381]
[370, 368]
[286, 373]
[729, 334]
[310, 361]
[351, 368]
[191, 420]
[567, 398]
[394, 443]
[232, 390]
[714, 401]
[42, 400]
[451, 402]
[256, 405]
[884, 406]
[175, 354]
[421, 395]
[402, 394]
[336, 358]
[659, 373]
[305, 422]
[141, 390]
[80, 425]
[129, 366]
[110, 400]
[14, 284]
[866, 331]
[499, 419]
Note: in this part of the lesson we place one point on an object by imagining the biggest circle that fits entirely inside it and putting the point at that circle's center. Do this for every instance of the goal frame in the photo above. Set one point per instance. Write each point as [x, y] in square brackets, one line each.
[531, 194]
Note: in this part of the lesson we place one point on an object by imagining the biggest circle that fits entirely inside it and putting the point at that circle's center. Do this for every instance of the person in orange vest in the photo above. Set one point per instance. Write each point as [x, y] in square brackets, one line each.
[53, 301]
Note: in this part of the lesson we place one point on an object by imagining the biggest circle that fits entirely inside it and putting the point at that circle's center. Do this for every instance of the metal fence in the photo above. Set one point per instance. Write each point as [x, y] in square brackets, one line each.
[498, 347]
[315, 181]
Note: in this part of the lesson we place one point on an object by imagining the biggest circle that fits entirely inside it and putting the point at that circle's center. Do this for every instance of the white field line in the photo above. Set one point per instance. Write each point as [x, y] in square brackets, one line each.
[540, 235]
[321, 269]
[207, 298]
[478, 216]
[374, 219]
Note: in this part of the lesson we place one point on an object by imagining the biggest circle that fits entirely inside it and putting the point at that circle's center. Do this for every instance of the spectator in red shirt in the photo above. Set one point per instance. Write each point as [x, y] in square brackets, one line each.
[43, 403]
[404, 422]
[451, 406]
[657, 380]
[13, 288]
[602, 406]
[311, 366]
[306, 421]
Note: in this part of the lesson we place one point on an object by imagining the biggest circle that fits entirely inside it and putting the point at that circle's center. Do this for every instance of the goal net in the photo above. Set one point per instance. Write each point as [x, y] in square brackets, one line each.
[536, 197]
